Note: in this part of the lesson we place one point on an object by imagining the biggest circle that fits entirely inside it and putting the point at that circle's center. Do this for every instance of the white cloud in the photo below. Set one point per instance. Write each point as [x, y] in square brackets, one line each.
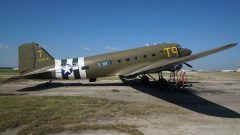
[2, 46]
[86, 49]
[110, 48]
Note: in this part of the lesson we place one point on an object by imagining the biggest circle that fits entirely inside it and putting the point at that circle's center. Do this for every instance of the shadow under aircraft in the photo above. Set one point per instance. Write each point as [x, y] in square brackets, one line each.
[189, 100]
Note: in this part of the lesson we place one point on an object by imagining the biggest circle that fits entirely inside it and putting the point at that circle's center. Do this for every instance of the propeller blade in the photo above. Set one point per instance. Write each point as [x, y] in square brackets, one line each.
[188, 65]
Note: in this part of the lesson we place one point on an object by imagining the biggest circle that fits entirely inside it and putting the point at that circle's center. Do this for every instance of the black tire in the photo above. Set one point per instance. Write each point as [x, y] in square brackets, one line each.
[163, 83]
[144, 79]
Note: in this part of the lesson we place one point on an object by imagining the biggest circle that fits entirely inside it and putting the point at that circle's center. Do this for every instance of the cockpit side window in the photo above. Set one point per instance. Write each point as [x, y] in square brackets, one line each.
[179, 46]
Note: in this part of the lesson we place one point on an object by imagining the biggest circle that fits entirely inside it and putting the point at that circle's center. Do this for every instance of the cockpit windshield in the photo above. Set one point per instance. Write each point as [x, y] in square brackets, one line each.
[179, 46]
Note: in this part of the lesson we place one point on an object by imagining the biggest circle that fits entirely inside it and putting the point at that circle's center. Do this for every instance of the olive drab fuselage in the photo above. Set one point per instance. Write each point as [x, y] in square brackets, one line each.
[115, 63]
[36, 63]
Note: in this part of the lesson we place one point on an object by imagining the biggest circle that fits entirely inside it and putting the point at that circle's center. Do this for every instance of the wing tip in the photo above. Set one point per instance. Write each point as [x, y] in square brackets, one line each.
[12, 79]
[233, 44]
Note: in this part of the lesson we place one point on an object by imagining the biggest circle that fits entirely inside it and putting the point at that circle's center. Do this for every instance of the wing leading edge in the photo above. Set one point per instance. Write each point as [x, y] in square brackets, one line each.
[164, 65]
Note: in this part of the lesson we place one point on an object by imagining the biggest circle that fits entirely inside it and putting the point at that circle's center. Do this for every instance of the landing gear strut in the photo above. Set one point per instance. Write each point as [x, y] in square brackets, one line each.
[161, 81]
[144, 79]
[176, 81]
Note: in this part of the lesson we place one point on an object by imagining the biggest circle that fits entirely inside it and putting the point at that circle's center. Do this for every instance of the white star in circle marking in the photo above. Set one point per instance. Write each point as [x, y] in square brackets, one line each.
[67, 69]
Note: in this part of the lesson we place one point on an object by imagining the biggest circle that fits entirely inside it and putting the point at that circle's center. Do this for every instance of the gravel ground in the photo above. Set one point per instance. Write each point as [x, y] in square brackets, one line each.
[212, 107]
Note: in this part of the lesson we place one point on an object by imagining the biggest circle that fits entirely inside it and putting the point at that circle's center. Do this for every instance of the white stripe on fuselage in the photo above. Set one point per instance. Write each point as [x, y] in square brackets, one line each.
[58, 69]
[70, 76]
[81, 63]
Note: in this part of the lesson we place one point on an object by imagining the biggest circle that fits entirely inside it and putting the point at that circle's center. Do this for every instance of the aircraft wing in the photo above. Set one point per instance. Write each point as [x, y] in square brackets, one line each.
[36, 72]
[161, 65]
[39, 71]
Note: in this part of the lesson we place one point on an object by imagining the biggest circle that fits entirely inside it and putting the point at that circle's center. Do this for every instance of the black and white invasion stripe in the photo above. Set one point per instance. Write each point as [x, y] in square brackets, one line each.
[74, 65]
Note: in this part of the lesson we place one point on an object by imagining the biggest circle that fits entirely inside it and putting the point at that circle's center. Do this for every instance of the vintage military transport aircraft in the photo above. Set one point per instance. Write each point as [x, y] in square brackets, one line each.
[36, 63]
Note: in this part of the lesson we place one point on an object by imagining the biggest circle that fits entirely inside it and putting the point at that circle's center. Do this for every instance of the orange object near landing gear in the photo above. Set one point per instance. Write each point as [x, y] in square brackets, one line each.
[182, 81]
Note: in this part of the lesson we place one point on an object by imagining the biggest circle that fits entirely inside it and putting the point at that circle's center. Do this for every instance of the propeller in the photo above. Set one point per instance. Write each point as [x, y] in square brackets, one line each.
[188, 65]
[178, 67]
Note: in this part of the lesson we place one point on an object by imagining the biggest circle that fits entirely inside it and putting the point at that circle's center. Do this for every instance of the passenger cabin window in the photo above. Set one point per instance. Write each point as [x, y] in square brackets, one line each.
[144, 56]
[127, 59]
[104, 63]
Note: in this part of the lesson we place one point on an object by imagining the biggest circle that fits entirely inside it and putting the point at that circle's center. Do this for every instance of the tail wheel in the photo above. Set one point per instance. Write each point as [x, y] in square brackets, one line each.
[47, 84]
[144, 79]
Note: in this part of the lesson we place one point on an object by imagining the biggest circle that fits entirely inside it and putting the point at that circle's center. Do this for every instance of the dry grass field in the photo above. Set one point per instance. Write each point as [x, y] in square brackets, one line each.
[110, 106]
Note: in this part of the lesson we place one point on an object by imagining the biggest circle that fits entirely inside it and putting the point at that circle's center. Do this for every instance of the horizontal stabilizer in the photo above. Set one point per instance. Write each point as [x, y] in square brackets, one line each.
[12, 79]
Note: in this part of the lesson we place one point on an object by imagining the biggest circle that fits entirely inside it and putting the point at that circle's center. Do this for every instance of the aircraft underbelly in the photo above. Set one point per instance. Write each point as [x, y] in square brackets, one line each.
[70, 69]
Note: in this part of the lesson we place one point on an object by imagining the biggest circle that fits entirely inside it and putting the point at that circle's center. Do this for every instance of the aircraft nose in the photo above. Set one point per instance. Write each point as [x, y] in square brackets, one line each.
[185, 52]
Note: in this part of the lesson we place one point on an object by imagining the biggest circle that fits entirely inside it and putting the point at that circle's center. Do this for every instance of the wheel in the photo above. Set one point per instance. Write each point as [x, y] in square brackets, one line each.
[163, 83]
[92, 79]
[144, 79]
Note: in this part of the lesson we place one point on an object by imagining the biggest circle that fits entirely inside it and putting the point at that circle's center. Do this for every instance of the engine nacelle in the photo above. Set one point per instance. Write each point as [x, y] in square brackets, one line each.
[176, 68]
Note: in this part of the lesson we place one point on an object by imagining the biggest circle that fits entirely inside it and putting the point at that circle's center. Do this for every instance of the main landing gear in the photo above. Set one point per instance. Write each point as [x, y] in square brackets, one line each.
[161, 81]
[177, 81]
[145, 78]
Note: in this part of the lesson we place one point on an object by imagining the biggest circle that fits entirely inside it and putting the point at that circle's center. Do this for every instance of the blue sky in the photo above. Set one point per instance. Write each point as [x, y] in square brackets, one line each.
[68, 28]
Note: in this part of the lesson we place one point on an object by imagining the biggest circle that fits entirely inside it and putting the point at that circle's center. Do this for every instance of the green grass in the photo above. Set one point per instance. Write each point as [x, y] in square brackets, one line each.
[44, 115]
[7, 73]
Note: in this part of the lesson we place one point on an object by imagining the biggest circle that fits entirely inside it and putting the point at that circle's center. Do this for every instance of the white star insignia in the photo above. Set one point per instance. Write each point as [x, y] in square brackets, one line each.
[67, 69]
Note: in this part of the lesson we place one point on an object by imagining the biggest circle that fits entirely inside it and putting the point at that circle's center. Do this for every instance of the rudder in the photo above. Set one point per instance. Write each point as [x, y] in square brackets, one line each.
[32, 57]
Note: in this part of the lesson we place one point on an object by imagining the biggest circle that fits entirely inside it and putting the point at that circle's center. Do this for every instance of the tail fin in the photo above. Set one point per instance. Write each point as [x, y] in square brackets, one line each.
[33, 57]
